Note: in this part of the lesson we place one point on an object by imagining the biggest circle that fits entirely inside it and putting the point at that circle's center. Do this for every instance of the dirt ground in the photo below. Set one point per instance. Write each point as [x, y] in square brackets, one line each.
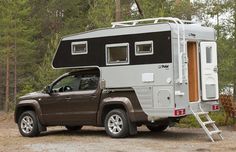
[89, 139]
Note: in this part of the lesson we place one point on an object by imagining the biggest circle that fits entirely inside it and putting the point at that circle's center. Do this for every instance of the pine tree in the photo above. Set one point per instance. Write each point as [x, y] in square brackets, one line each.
[45, 73]
[15, 44]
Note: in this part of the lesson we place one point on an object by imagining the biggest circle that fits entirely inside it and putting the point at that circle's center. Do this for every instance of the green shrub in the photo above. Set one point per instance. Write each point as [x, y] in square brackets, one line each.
[218, 117]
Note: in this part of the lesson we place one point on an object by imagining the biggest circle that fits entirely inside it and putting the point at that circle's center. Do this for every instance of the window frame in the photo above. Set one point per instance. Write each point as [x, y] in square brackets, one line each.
[107, 46]
[143, 43]
[87, 78]
[59, 80]
[77, 43]
[209, 52]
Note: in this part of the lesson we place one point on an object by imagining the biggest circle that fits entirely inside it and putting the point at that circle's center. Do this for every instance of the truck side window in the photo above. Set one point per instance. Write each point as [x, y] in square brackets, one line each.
[68, 83]
[88, 83]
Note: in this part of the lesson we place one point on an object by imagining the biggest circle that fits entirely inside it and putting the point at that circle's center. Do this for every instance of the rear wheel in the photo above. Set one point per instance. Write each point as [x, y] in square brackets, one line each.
[116, 124]
[158, 127]
[73, 128]
[28, 124]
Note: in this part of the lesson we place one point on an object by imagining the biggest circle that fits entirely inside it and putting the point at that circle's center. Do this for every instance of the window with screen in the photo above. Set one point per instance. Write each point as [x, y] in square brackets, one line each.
[144, 48]
[117, 54]
[78, 48]
[208, 54]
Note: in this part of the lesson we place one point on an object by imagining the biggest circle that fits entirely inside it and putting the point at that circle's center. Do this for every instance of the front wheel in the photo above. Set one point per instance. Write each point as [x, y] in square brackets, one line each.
[116, 124]
[28, 124]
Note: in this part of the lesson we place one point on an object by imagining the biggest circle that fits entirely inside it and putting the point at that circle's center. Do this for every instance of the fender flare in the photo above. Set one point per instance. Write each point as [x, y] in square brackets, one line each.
[124, 101]
[29, 103]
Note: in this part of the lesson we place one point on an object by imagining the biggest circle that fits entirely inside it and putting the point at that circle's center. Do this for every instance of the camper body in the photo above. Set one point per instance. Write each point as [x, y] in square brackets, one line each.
[129, 75]
[177, 69]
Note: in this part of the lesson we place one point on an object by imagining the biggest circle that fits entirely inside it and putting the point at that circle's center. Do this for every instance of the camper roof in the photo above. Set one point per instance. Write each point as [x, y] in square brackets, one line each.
[191, 29]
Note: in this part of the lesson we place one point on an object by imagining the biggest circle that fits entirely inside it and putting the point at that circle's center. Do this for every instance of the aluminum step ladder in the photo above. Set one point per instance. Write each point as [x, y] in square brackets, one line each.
[206, 125]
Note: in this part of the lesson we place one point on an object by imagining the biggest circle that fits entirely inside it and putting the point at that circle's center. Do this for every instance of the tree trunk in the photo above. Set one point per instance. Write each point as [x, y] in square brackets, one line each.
[1, 90]
[139, 8]
[7, 94]
[189, 15]
[234, 85]
[118, 10]
[15, 66]
[234, 91]
[15, 78]
[234, 71]
[177, 2]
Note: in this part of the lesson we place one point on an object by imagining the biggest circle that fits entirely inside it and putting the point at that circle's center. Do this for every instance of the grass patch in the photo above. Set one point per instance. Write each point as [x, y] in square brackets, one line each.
[219, 117]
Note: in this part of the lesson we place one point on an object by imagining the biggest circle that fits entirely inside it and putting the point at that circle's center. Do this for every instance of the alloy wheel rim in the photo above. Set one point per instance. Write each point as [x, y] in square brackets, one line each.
[115, 124]
[27, 124]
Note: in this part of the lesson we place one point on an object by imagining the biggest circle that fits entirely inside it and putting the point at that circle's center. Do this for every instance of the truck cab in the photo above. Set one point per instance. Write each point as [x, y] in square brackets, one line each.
[76, 99]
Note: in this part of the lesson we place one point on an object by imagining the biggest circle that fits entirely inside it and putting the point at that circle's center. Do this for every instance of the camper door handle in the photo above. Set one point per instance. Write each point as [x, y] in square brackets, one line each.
[67, 98]
[215, 69]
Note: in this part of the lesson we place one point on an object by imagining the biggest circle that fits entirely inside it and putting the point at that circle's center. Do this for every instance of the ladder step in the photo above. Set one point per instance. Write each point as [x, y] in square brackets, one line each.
[201, 113]
[215, 132]
[208, 122]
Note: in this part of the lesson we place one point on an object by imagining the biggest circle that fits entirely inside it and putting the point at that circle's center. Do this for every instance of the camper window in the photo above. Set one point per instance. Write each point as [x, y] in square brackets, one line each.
[78, 48]
[208, 54]
[144, 48]
[117, 54]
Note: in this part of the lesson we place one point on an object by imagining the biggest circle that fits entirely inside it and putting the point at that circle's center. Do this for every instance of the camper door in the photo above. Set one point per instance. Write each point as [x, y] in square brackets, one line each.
[209, 75]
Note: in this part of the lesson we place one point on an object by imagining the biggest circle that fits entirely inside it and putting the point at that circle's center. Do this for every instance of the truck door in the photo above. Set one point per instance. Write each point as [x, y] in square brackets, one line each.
[209, 75]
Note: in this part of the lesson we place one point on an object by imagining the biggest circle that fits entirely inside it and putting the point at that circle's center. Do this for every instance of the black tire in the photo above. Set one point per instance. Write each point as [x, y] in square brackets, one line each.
[28, 124]
[121, 126]
[73, 128]
[157, 127]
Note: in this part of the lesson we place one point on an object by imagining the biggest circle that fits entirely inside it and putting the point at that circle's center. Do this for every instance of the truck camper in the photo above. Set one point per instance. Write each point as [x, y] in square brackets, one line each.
[155, 70]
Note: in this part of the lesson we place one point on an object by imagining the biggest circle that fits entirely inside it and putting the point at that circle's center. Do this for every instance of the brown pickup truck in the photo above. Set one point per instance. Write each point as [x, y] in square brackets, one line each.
[77, 99]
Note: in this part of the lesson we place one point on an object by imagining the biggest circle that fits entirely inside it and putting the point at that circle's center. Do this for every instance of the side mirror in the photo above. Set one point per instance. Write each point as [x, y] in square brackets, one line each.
[102, 84]
[47, 89]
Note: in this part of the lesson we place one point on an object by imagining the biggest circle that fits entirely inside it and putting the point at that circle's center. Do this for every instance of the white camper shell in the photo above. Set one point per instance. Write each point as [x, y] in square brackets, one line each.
[171, 64]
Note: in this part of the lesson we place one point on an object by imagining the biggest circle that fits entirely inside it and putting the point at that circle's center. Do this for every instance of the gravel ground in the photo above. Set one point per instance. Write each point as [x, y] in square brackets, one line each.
[89, 139]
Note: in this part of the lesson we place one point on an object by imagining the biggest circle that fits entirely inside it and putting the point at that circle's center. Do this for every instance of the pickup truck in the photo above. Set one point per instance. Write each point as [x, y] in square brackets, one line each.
[77, 99]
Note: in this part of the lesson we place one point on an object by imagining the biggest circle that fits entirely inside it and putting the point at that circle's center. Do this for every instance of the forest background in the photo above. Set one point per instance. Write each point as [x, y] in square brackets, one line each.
[31, 29]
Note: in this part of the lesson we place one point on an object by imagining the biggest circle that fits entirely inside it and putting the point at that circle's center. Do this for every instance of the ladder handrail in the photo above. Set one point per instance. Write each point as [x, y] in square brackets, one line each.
[178, 22]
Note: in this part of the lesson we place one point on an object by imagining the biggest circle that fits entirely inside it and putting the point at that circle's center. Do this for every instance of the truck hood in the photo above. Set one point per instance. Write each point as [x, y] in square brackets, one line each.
[33, 95]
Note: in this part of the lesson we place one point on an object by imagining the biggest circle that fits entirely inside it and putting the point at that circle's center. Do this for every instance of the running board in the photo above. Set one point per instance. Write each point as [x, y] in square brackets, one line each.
[206, 124]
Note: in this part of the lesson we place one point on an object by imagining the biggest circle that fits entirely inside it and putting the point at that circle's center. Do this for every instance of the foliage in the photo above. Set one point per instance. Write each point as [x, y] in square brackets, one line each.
[221, 15]
[218, 117]
[31, 29]
[101, 13]
[45, 73]
[191, 122]
[16, 43]
[153, 8]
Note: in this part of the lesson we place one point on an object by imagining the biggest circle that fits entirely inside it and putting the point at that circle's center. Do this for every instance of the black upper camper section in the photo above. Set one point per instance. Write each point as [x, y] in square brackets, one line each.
[96, 50]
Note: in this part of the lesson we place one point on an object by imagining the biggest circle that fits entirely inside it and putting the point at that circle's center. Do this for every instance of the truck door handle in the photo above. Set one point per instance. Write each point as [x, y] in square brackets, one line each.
[68, 98]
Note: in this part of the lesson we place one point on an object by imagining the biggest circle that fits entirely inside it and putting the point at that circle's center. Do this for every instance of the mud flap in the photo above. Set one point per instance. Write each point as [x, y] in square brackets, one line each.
[40, 126]
[132, 128]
